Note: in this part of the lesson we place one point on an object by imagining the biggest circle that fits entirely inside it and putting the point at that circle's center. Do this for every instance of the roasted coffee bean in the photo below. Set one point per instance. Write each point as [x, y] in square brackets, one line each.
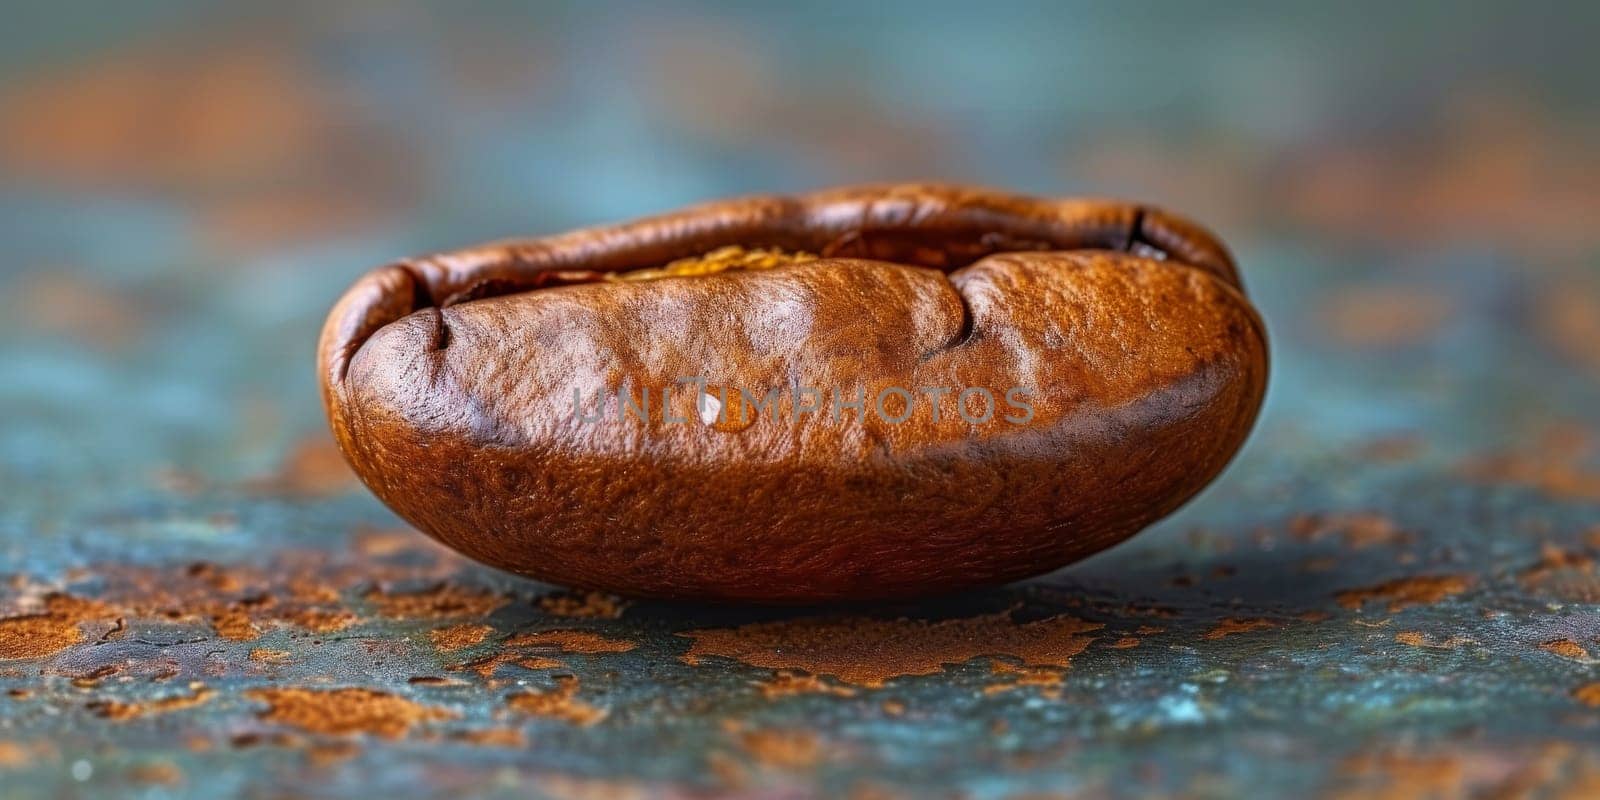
[868, 392]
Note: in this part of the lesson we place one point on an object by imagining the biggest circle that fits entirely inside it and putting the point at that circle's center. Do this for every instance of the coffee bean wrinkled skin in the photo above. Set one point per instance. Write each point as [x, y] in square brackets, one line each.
[449, 384]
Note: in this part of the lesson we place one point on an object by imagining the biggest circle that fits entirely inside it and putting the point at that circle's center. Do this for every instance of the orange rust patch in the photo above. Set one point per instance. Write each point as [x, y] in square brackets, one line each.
[323, 754]
[17, 754]
[1566, 648]
[493, 737]
[163, 773]
[585, 605]
[235, 626]
[443, 600]
[308, 590]
[868, 652]
[345, 711]
[1379, 316]
[1404, 592]
[87, 125]
[1145, 610]
[788, 682]
[1588, 694]
[560, 786]
[1050, 679]
[1124, 643]
[1569, 321]
[537, 662]
[558, 703]
[121, 712]
[1515, 176]
[384, 543]
[76, 607]
[570, 641]
[1229, 627]
[433, 680]
[1420, 639]
[1556, 769]
[44, 635]
[1556, 479]
[486, 666]
[278, 739]
[268, 656]
[213, 576]
[1565, 574]
[37, 636]
[319, 620]
[1357, 529]
[296, 588]
[1556, 464]
[786, 749]
[729, 772]
[1401, 775]
[457, 637]
[93, 679]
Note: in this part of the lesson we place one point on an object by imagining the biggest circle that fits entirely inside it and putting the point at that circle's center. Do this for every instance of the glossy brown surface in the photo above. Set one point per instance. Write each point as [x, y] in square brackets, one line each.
[449, 383]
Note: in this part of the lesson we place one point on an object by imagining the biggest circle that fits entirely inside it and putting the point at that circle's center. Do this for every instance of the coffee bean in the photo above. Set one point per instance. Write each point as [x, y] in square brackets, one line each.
[868, 392]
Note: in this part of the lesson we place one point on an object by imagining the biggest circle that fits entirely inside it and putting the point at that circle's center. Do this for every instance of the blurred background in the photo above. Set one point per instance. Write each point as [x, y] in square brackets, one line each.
[187, 186]
[1412, 191]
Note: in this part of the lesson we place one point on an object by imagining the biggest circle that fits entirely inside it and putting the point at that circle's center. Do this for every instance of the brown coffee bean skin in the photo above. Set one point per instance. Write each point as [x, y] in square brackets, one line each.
[449, 380]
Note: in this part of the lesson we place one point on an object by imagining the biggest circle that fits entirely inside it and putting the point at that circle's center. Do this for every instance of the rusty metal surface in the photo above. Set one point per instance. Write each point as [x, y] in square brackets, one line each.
[1393, 590]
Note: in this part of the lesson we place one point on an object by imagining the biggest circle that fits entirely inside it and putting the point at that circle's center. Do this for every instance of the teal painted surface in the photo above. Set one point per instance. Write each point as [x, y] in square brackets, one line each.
[187, 190]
